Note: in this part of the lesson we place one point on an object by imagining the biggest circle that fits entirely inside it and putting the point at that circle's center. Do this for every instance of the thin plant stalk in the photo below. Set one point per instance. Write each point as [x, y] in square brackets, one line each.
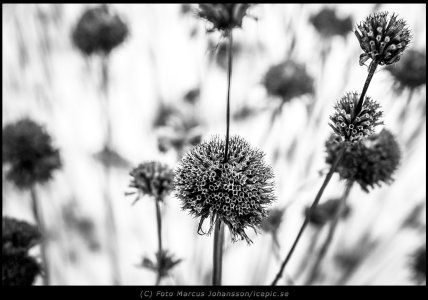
[39, 220]
[229, 77]
[306, 221]
[372, 68]
[324, 248]
[218, 252]
[159, 227]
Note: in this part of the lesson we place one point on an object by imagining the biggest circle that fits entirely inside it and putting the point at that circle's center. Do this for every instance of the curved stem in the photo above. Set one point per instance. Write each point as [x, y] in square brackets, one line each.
[305, 223]
[332, 230]
[372, 69]
[39, 220]
[159, 227]
[218, 252]
[229, 75]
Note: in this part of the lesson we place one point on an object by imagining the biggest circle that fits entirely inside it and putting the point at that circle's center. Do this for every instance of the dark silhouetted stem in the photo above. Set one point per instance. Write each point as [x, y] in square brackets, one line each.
[372, 69]
[159, 226]
[218, 252]
[332, 230]
[39, 220]
[229, 76]
[305, 223]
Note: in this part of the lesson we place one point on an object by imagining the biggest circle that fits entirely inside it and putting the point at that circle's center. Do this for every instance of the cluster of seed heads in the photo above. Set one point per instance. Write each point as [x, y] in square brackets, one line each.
[383, 38]
[224, 16]
[235, 192]
[152, 179]
[353, 126]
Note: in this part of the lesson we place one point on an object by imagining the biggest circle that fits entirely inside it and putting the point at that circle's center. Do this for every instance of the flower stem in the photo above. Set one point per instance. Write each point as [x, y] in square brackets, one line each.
[333, 226]
[39, 219]
[305, 223]
[372, 69]
[159, 226]
[218, 252]
[229, 75]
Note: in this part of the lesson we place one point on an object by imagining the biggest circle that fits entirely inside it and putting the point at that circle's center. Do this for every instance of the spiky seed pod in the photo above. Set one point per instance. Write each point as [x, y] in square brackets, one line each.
[383, 38]
[223, 16]
[235, 192]
[18, 235]
[411, 72]
[164, 263]
[328, 24]
[419, 264]
[325, 212]
[153, 179]
[352, 127]
[19, 269]
[370, 162]
[99, 30]
[288, 80]
[28, 150]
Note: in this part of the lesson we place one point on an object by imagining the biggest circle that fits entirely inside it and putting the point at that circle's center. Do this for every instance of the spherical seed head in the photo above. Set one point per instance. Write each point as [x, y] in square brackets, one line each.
[328, 24]
[288, 80]
[99, 30]
[411, 72]
[224, 16]
[419, 264]
[350, 126]
[18, 235]
[153, 179]
[325, 212]
[368, 163]
[19, 269]
[28, 150]
[383, 38]
[235, 192]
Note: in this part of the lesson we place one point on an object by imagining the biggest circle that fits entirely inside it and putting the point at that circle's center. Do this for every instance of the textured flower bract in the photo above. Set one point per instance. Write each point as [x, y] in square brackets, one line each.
[383, 38]
[235, 192]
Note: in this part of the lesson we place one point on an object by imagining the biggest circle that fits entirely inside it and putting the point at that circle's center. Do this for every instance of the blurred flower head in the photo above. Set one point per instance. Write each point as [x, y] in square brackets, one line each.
[369, 163]
[272, 222]
[153, 179]
[288, 80]
[419, 264]
[411, 73]
[28, 151]
[325, 212]
[99, 30]
[328, 24]
[18, 236]
[383, 38]
[350, 126]
[164, 263]
[220, 52]
[223, 16]
[235, 192]
[19, 269]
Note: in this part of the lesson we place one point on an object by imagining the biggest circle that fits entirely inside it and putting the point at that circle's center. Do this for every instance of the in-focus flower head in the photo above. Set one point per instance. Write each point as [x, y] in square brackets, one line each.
[235, 192]
[325, 212]
[223, 16]
[19, 269]
[18, 236]
[288, 80]
[28, 151]
[411, 72]
[368, 163]
[350, 126]
[328, 24]
[99, 30]
[164, 263]
[152, 179]
[419, 264]
[383, 38]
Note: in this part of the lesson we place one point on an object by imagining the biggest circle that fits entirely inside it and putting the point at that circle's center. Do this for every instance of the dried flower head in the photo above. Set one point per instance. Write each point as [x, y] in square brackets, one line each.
[28, 150]
[383, 38]
[419, 264]
[164, 263]
[328, 24]
[153, 179]
[235, 192]
[288, 80]
[351, 126]
[411, 73]
[325, 212]
[19, 269]
[369, 163]
[223, 16]
[18, 236]
[99, 30]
